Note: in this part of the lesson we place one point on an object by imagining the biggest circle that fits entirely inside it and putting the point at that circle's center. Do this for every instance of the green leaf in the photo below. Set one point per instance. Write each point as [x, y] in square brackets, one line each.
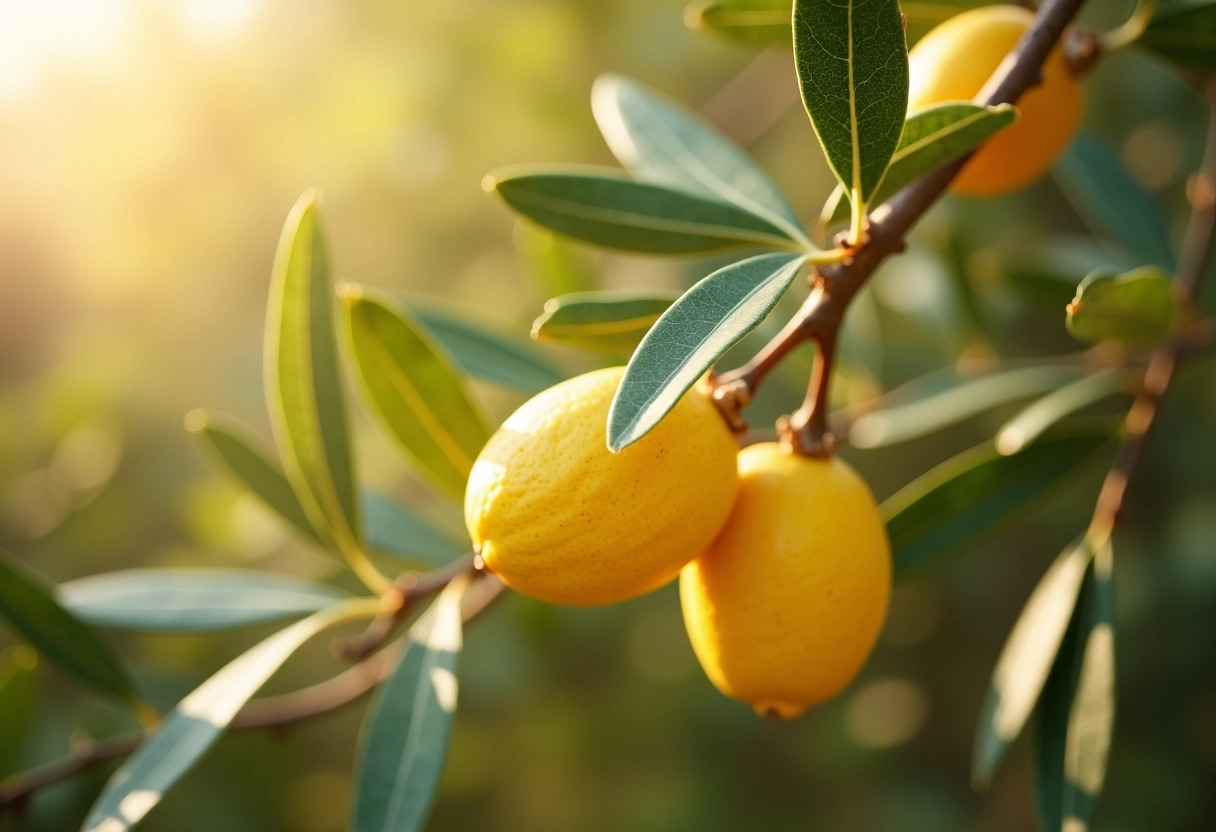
[482, 352]
[923, 407]
[418, 394]
[852, 63]
[613, 321]
[930, 138]
[27, 602]
[658, 141]
[966, 497]
[1078, 706]
[1184, 32]
[394, 529]
[1026, 660]
[192, 600]
[603, 207]
[756, 22]
[763, 22]
[198, 721]
[690, 336]
[1029, 424]
[405, 739]
[19, 700]
[1093, 178]
[303, 387]
[1135, 308]
[234, 446]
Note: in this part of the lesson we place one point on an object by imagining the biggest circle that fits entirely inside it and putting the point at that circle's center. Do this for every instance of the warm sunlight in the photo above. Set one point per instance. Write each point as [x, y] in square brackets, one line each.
[41, 37]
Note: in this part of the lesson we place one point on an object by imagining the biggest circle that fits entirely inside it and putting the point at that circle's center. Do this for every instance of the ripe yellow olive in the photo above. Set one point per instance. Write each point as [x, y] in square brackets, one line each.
[955, 60]
[786, 604]
[557, 516]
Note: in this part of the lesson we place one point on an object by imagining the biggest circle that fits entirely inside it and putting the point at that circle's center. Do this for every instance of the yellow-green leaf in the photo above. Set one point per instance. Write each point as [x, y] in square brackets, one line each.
[28, 603]
[1077, 712]
[416, 390]
[1136, 308]
[612, 321]
[1027, 658]
[235, 448]
[303, 387]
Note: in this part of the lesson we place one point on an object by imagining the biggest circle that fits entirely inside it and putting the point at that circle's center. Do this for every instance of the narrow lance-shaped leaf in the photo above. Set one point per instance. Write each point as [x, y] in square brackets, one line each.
[930, 138]
[482, 352]
[234, 446]
[27, 602]
[20, 697]
[603, 207]
[416, 391]
[192, 600]
[1078, 708]
[659, 141]
[1097, 184]
[1136, 308]
[394, 529]
[405, 738]
[974, 493]
[1026, 660]
[852, 63]
[1184, 32]
[763, 22]
[611, 321]
[923, 407]
[199, 720]
[1030, 423]
[756, 22]
[690, 336]
[303, 387]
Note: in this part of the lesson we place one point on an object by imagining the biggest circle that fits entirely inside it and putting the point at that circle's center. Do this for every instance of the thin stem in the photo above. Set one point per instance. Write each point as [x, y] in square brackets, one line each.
[807, 431]
[365, 570]
[1131, 29]
[271, 712]
[1192, 267]
[399, 602]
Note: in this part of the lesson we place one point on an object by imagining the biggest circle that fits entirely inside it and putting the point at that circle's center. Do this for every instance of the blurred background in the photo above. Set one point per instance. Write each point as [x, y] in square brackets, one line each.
[149, 152]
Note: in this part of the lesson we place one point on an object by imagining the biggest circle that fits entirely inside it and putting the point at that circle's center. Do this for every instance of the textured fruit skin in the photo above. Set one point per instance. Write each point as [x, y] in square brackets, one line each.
[786, 604]
[557, 516]
[955, 60]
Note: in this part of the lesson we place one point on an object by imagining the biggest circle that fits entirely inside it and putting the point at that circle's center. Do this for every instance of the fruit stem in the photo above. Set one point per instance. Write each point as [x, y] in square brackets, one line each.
[806, 432]
[1131, 29]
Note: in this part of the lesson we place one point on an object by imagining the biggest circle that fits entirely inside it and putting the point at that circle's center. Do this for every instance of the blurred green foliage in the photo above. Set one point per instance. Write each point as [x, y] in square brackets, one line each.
[142, 188]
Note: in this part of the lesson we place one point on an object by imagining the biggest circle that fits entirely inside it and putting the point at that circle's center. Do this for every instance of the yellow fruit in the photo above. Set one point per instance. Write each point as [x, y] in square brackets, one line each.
[786, 604]
[557, 516]
[955, 60]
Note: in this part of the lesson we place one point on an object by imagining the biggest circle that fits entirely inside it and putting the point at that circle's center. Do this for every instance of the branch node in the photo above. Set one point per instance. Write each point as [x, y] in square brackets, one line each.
[731, 397]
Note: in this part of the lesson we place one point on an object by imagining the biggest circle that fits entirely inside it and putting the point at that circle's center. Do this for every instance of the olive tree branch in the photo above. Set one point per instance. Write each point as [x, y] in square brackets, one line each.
[822, 314]
[1192, 266]
[399, 602]
[267, 713]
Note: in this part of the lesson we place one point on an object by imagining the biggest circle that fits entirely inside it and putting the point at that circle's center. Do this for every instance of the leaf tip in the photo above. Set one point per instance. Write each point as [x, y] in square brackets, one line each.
[694, 15]
[1010, 440]
[489, 183]
[196, 420]
[349, 293]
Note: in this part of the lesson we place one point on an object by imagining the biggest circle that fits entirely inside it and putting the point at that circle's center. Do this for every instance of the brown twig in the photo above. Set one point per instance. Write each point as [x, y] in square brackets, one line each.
[271, 712]
[399, 602]
[822, 314]
[1192, 266]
